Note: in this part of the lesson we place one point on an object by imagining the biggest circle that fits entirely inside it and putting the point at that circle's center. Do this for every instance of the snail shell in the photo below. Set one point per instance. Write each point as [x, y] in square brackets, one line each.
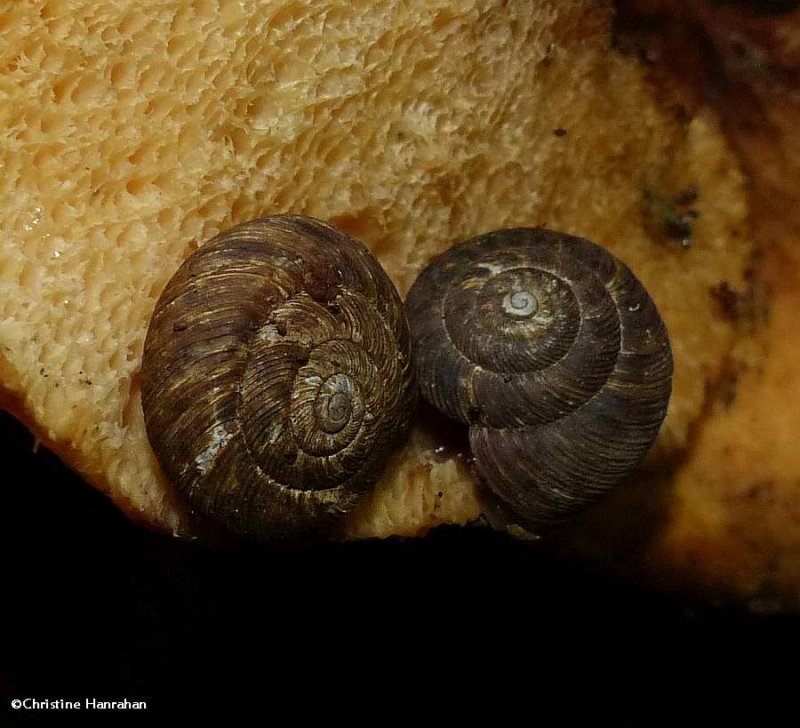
[553, 353]
[277, 377]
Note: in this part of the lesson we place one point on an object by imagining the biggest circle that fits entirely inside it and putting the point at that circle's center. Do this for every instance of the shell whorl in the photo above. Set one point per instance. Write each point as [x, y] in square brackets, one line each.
[277, 377]
[553, 353]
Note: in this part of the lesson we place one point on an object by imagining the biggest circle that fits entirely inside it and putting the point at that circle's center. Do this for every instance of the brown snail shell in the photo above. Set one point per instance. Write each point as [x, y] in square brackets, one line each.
[277, 376]
[553, 353]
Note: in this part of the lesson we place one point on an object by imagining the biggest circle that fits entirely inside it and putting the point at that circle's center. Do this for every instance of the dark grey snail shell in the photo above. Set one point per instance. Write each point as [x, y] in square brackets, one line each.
[553, 353]
[277, 377]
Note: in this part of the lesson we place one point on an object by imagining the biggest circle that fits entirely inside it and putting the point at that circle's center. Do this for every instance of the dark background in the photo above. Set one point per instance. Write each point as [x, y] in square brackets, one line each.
[98, 606]
[463, 620]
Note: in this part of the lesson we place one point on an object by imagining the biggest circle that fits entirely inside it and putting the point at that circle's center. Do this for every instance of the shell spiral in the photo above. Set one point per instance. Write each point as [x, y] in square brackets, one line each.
[277, 377]
[556, 357]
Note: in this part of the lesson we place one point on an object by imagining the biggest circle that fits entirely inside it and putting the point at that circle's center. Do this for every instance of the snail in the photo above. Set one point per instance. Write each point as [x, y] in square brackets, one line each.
[277, 377]
[553, 354]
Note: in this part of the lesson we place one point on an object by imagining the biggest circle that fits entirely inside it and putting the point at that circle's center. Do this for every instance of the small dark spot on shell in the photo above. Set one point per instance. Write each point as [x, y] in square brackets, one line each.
[560, 132]
[179, 326]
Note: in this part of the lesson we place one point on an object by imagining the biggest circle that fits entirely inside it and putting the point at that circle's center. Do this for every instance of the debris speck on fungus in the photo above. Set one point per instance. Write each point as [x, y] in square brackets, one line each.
[671, 219]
